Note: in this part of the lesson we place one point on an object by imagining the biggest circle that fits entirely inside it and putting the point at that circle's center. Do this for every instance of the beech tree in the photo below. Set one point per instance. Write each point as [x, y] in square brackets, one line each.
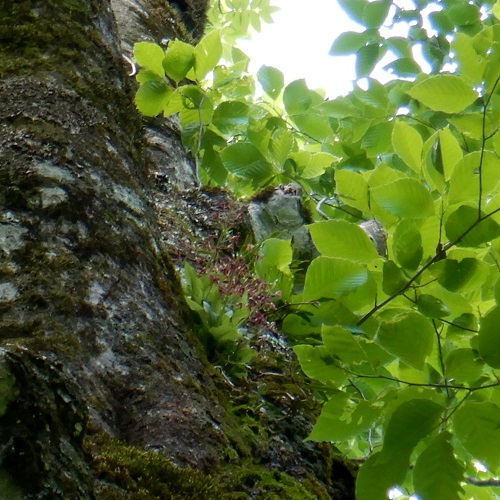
[155, 346]
[106, 391]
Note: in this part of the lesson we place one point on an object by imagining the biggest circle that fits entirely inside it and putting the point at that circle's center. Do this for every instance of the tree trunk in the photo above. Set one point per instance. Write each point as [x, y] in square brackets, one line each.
[105, 391]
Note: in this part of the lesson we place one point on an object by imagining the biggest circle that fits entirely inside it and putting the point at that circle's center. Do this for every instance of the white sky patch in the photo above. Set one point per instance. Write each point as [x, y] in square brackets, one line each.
[298, 42]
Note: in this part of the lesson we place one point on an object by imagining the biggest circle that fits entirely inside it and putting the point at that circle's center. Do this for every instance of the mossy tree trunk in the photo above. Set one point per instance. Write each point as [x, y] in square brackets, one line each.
[103, 386]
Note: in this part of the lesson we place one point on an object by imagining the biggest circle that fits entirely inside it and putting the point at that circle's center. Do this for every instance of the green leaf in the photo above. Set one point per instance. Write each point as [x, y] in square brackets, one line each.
[179, 60]
[411, 421]
[463, 14]
[447, 93]
[404, 198]
[450, 152]
[437, 473]
[348, 43]
[231, 116]
[329, 277]
[341, 420]
[352, 189]
[245, 160]
[297, 97]
[470, 64]
[489, 339]
[275, 257]
[375, 13]
[280, 145]
[152, 97]
[271, 79]
[314, 125]
[409, 336]
[407, 143]
[463, 365]
[409, 424]
[337, 238]
[376, 477]
[354, 9]
[150, 56]
[464, 181]
[317, 363]
[207, 54]
[459, 223]
[393, 279]
[311, 165]
[342, 344]
[477, 427]
[405, 67]
[273, 265]
[366, 59]
[453, 274]
[431, 306]
[196, 106]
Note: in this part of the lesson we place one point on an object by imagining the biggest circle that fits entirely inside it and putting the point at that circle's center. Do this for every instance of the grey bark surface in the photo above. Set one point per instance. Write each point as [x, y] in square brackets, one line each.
[96, 340]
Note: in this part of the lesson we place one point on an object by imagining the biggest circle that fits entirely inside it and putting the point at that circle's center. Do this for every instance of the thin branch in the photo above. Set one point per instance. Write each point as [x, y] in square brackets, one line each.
[419, 384]
[441, 358]
[426, 266]
[483, 147]
[493, 481]
[458, 326]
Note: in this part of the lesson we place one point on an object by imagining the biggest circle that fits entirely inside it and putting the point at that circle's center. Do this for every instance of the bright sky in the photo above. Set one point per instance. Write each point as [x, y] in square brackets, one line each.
[298, 43]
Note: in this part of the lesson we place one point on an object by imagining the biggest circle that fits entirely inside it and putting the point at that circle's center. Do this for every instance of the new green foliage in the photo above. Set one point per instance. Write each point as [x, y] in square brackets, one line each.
[403, 348]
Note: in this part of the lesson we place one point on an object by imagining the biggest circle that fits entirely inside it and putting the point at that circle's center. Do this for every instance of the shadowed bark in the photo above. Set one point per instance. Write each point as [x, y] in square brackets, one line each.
[99, 366]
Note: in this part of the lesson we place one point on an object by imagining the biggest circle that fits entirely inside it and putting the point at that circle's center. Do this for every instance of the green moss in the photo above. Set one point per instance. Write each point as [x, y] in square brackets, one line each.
[125, 472]
[256, 482]
[128, 472]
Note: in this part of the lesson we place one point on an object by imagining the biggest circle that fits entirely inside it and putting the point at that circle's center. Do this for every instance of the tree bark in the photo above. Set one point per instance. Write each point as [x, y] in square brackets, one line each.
[105, 391]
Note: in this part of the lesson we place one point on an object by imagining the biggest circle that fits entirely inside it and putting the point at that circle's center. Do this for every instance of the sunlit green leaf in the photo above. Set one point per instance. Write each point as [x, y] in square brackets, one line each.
[348, 43]
[354, 8]
[207, 53]
[366, 59]
[393, 278]
[448, 93]
[477, 427]
[271, 79]
[352, 189]
[408, 336]
[336, 238]
[454, 275]
[375, 13]
[329, 277]
[489, 339]
[318, 363]
[437, 473]
[150, 56]
[151, 97]
[230, 116]
[431, 306]
[342, 344]
[405, 67]
[419, 415]
[404, 198]
[463, 365]
[341, 420]
[297, 98]
[179, 59]
[376, 477]
[245, 160]
[464, 228]
[407, 143]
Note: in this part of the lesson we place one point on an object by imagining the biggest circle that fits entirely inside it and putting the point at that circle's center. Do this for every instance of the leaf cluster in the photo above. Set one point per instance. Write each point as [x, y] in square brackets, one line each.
[402, 348]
